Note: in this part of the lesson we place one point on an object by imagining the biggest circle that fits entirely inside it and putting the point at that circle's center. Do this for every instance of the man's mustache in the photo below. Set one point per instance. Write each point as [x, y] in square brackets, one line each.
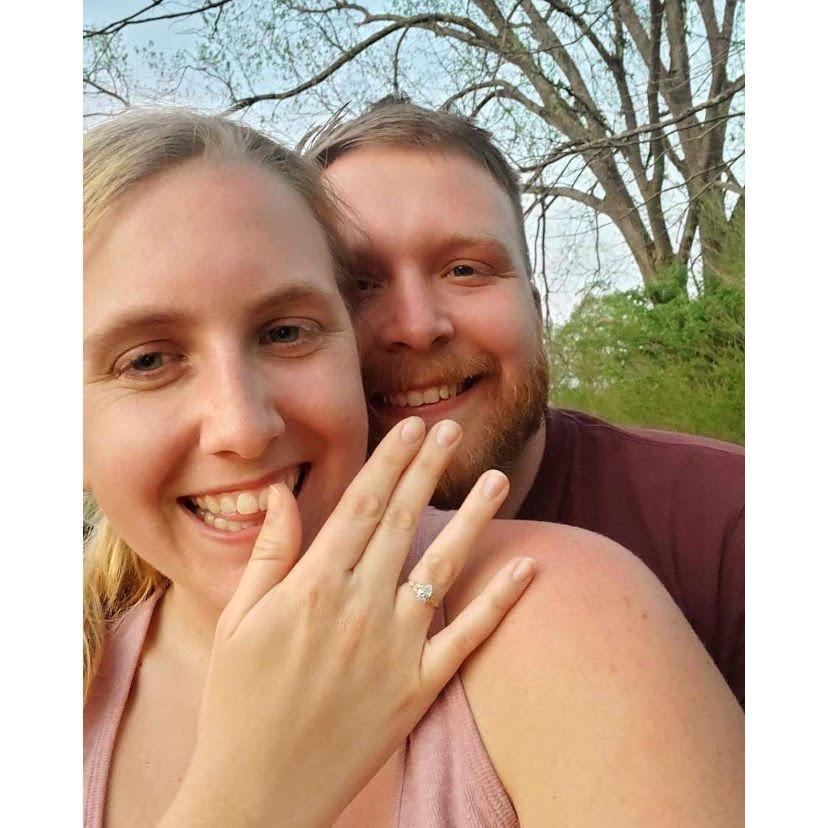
[389, 376]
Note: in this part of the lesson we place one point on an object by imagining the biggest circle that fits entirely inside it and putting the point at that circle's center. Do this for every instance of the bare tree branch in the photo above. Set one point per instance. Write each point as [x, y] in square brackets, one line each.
[590, 200]
[345, 58]
[119, 25]
[622, 106]
[103, 90]
[578, 147]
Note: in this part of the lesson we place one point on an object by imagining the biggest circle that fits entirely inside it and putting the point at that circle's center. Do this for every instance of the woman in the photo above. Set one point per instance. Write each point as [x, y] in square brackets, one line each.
[222, 380]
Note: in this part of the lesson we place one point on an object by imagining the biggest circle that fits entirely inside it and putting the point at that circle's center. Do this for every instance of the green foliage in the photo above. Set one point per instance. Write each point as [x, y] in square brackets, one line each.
[675, 364]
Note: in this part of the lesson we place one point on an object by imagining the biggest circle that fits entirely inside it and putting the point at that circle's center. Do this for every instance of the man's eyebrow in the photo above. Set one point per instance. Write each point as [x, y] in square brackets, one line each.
[149, 317]
[361, 250]
[454, 240]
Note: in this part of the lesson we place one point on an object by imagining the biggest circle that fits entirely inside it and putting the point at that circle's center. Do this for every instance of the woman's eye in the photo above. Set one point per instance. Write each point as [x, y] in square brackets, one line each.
[149, 366]
[463, 270]
[147, 362]
[291, 335]
[283, 333]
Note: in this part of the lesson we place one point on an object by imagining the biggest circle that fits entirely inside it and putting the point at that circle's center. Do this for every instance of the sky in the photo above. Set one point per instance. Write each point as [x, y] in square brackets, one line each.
[575, 256]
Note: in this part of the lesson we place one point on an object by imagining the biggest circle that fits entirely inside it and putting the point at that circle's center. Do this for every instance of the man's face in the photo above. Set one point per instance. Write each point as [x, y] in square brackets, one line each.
[446, 323]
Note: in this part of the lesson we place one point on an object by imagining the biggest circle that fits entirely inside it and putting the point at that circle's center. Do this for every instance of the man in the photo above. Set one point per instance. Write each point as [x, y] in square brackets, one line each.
[449, 326]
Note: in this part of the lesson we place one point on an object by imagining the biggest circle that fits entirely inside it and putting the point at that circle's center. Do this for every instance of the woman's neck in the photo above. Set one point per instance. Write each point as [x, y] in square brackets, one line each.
[184, 627]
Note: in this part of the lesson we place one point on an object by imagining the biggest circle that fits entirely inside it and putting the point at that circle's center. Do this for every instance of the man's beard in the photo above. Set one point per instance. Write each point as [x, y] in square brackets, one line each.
[494, 436]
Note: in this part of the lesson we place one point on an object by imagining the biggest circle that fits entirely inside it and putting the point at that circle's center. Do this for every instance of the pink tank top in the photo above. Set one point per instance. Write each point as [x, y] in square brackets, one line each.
[447, 779]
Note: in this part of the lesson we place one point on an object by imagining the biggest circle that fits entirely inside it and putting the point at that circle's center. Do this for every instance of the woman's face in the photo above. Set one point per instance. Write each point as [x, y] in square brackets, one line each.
[218, 358]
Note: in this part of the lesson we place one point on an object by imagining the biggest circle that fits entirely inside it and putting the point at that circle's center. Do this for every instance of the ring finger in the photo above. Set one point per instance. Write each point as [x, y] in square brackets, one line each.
[445, 558]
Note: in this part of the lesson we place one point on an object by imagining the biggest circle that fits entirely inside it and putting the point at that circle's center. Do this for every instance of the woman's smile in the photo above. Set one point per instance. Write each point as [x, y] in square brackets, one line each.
[220, 358]
[230, 511]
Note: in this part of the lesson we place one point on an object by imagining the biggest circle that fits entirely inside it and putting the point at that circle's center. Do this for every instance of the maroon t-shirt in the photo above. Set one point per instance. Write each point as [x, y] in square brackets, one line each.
[675, 501]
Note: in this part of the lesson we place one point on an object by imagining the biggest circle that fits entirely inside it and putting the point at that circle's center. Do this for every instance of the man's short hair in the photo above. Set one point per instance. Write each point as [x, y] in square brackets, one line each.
[395, 121]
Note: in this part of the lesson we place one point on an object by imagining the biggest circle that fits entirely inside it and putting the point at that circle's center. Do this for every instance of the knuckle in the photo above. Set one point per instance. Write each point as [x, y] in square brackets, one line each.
[432, 464]
[313, 592]
[363, 504]
[269, 548]
[462, 644]
[399, 517]
[441, 571]
[355, 620]
[498, 604]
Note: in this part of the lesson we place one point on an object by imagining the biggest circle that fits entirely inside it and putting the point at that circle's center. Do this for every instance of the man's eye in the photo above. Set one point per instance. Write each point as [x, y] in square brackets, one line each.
[365, 284]
[468, 270]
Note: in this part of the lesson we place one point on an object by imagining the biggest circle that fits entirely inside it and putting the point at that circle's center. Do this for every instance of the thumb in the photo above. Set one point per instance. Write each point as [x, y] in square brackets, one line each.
[275, 552]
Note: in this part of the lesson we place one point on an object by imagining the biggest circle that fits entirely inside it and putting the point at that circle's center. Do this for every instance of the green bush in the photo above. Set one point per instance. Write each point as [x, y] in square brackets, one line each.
[676, 364]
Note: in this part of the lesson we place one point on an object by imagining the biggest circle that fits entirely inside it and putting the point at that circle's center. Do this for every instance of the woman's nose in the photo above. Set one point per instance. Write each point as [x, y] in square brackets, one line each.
[240, 416]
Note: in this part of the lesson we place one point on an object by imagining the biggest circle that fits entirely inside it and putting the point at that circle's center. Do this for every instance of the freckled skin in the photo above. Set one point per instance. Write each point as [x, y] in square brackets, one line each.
[228, 404]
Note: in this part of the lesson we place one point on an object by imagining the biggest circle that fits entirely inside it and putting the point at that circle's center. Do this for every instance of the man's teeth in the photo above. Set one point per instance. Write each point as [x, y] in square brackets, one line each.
[238, 503]
[412, 399]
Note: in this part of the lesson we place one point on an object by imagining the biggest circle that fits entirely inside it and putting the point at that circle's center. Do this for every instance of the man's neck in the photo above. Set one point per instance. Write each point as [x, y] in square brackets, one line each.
[523, 473]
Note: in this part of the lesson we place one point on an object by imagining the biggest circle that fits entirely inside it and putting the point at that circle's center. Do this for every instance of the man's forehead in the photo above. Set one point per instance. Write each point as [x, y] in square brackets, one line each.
[433, 168]
[440, 201]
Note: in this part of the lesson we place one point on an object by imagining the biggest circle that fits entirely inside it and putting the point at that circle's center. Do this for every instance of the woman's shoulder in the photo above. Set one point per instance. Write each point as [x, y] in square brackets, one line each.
[595, 675]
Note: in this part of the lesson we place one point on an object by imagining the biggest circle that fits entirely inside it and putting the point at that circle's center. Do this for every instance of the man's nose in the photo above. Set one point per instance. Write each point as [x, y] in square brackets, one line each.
[240, 416]
[412, 315]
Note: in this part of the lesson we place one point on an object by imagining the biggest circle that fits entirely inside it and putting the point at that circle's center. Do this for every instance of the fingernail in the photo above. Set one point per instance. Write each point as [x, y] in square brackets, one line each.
[274, 499]
[412, 430]
[447, 433]
[523, 570]
[493, 484]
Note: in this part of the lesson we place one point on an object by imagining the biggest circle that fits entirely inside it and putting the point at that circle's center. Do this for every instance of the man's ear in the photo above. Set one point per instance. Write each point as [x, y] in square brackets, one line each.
[537, 300]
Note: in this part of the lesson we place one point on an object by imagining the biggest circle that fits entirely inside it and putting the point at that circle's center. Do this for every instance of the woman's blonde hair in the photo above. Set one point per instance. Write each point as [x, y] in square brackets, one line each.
[117, 155]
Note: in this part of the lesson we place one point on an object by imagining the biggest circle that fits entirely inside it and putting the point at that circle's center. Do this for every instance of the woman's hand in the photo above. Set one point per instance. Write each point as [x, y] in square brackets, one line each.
[322, 666]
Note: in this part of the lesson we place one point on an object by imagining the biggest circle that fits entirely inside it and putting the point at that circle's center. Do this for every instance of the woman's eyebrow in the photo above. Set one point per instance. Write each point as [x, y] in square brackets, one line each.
[128, 323]
[147, 318]
[293, 294]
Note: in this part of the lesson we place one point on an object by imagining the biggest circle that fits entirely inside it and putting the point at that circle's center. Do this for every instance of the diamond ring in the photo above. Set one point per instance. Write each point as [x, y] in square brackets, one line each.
[423, 593]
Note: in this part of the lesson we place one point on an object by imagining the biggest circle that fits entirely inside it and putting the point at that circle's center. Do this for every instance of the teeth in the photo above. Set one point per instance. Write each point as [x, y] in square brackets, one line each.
[228, 504]
[227, 525]
[247, 502]
[414, 399]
